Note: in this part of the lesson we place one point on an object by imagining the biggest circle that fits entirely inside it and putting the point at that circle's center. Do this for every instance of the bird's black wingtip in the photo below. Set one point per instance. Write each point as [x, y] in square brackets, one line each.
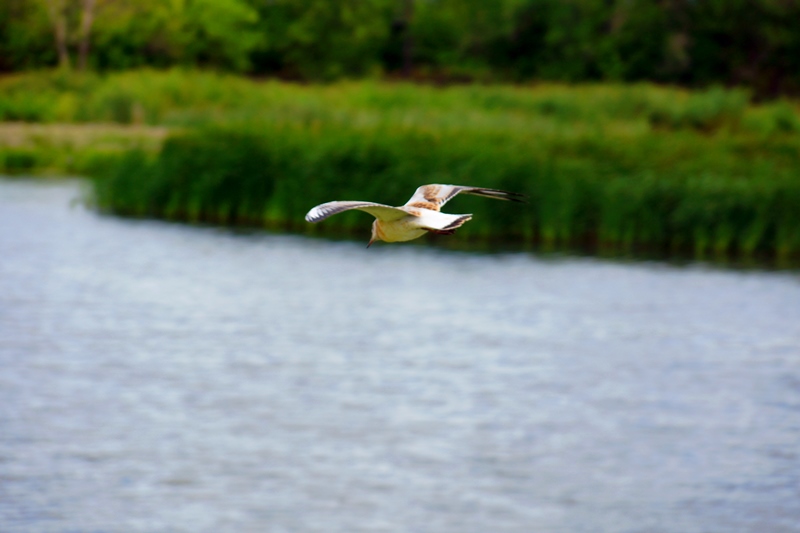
[500, 194]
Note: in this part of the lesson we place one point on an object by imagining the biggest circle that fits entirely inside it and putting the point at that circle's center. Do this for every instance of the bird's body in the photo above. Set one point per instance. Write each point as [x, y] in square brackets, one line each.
[421, 214]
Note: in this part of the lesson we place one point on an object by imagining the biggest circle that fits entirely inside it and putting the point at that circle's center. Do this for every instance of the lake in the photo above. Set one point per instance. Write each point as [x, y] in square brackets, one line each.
[158, 377]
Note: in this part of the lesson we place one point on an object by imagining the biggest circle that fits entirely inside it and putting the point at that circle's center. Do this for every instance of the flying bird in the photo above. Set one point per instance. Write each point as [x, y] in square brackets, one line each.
[418, 216]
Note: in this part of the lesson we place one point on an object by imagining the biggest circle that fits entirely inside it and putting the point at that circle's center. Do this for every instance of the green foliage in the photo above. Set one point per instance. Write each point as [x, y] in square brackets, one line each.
[223, 177]
[749, 43]
[454, 33]
[135, 33]
[220, 32]
[26, 36]
[719, 179]
[323, 40]
[702, 111]
[144, 96]
[15, 161]
[31, 98]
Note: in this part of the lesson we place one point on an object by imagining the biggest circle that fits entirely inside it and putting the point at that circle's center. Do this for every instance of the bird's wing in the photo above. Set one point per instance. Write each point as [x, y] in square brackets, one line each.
[381, 212]
[435, 196]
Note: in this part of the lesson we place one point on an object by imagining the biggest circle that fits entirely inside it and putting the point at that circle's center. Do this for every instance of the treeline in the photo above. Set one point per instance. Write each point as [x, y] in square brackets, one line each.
[754, 43]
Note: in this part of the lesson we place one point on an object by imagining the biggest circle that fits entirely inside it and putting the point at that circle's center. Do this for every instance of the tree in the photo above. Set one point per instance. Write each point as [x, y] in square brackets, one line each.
[408, 38]
[58, 11]
[128, 33]
[456, 33]
[62, 14]
[746, 42]
[26, 35]
[219, 33]
[87, 18]
[321, 39]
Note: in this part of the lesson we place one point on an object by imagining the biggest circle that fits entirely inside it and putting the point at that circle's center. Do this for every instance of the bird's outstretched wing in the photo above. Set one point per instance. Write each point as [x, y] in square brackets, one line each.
[435, 196]
[382, 212]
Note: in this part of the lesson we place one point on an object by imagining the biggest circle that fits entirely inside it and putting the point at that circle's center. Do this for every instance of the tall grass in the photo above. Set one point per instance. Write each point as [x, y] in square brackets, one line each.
[76, 149]
[271, 175]
[615, 168]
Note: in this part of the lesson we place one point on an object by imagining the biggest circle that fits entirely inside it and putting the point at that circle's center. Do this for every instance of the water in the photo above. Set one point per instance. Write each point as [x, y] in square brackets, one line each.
[165, 378]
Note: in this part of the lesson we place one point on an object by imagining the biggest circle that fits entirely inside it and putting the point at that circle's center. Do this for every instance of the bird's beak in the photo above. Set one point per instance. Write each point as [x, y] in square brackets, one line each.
[370, 242]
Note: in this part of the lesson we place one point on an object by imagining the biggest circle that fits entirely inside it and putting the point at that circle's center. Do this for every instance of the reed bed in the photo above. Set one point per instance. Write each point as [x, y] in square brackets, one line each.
[613, 168]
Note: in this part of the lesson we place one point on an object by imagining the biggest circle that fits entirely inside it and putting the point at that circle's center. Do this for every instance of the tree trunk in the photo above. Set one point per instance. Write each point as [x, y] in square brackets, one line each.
[408, 40]
[58, 16]
[87, 18]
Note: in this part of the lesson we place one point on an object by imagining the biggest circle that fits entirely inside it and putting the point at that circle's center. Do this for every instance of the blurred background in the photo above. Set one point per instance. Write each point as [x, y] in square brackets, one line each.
[181, 351]
[751, 43]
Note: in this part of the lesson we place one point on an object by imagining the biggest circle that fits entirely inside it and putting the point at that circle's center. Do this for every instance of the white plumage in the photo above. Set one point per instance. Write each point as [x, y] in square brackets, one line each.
[419, 215]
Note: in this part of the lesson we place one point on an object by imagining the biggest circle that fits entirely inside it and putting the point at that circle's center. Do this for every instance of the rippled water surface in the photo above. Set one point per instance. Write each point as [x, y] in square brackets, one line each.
[157, 377]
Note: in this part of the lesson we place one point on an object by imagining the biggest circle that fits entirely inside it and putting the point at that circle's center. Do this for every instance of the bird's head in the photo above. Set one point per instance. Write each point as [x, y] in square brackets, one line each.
[375, 233]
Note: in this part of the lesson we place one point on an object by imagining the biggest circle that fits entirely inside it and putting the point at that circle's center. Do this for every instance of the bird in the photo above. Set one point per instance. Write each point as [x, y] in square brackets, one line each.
[420, 215]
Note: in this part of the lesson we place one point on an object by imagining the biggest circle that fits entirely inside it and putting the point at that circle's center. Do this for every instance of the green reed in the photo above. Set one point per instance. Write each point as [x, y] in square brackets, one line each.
[271, 175]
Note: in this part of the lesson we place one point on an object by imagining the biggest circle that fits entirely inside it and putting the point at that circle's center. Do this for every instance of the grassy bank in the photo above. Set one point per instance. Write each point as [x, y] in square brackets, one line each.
[612, 168]
[77, 149]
